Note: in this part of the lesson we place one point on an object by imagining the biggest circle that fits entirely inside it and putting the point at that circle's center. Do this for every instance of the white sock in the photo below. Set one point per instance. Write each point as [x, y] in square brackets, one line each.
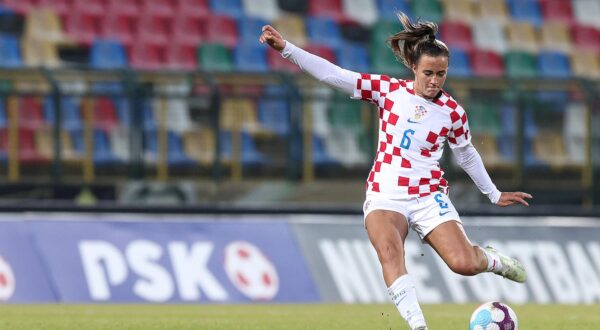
[404, 296]
[494, 263]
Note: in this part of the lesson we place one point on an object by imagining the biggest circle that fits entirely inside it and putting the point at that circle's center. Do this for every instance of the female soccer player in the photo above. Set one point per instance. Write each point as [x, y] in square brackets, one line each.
[405, 187]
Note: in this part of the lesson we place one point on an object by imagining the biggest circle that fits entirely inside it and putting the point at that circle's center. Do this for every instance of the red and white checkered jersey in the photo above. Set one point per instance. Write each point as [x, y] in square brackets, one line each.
[412, 132]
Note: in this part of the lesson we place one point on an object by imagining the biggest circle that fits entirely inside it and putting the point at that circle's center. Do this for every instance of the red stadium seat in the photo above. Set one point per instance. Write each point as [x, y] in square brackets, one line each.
[322, 51]
[278, 63]
[557, 10]
[188, 30]
[81, 27]
[147, 56]
[486, 64]
[222, 30]
[586, 37]
[456, 35]
[158, 8]
[181, 56]
[193, 8]
[95, 8]
[332, 9]
[20, 6]
[28, 152]
[128, 8]
[31, 114]
[105, 114]
[153, 30]
[117, 27]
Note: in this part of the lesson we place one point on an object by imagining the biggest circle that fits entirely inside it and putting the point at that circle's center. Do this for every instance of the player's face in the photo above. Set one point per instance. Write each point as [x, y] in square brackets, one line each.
[430, 75]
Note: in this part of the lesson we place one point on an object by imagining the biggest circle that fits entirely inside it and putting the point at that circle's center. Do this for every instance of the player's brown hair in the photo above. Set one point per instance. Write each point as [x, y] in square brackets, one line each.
[416, 40]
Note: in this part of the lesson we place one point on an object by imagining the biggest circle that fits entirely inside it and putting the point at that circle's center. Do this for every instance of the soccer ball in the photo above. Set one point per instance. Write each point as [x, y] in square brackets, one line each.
[494, 316]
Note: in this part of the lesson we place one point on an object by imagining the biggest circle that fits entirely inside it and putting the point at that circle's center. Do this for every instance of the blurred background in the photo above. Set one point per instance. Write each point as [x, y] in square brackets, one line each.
[176, 103]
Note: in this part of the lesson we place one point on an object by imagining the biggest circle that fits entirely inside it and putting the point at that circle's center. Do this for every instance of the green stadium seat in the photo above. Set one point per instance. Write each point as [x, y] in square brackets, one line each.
[483, 118]
[344, 114]
[384, 62]
[520, 65]
[430, 10]
[214, 57]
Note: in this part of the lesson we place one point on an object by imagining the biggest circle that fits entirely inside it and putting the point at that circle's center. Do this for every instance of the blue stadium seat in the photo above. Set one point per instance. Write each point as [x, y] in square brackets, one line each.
[250, 29]
[232, 8]
[460, 65]
[324, 31]
[353, 56]
[526, 10]
[10, 52]
[554, 65]
[176, 156]
[320, 155]
[388, 9]
[103, 154]
[148, 121]
[108, 54]
[250, 155]
[274, 110]
[250, 58]
[3, 119]
[71, 115]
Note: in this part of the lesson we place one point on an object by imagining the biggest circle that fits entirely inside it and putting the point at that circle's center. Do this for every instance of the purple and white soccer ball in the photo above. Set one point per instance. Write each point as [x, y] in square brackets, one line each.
[494, 316]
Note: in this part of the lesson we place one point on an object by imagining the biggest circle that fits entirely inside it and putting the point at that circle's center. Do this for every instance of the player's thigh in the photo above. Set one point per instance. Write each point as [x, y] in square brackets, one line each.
[450, 241]
[385, 228]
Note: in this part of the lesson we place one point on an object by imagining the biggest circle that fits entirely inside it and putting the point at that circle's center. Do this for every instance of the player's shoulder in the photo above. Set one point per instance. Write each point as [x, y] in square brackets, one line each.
[447, 102]
[386, 82]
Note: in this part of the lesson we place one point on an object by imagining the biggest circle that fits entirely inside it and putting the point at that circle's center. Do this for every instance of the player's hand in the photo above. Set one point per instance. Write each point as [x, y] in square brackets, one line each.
[272, 38]
[511, 198]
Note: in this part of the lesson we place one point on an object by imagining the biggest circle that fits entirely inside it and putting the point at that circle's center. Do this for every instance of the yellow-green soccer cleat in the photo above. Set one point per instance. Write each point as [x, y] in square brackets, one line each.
[511, 269]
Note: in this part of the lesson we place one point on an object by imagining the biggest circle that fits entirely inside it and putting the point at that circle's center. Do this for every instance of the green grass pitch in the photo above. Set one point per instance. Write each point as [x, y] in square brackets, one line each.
[267, 316]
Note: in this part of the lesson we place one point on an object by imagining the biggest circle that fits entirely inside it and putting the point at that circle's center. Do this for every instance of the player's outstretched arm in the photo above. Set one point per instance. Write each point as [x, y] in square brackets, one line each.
[511, 198]
[320, 68]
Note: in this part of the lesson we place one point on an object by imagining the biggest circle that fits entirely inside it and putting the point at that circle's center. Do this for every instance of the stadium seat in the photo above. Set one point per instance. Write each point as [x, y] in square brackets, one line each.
[119, 143]
[456, 35]
[361, 11]
[525, 11]
[188, 31]
[31, 113]
[353, 56]
[44, 24]
[153, 31]
[250, 58]
[40, 53]
[586, 37]
[322, 51]
[147, 56]
[274, 110]
[460, 64]
[176, 156]
[214, 57]
[181, 56]
[119, 28]
[324, 31]
[320, 156]
[71, 116]
[107, 54]
[557, 11]
[27, 144]
[554, 65]
[123, 8]
[389, 8]
[297, 7]
[250, 29]
[459, 11]
[3, 117]
[484, 118]
[331, 9]
[494, 10]
[263, 9]
[344, 114]
[60, 7]
[158, 8]
[381, 31]
[20, 6]
[81, 28]
[192, 8]
[575, 132]
[520, 65]
[489, 35]
[231, 8]
[586, 12]
[292, 26]
[105, 114]
[555, 36]
[585, 64]
[385, 62]
[430, 10]
[239, 114]
[222, 30]
[487, 64]
[344, 148]
[93, 8]
[200, 146]
[250, 156]
[521, 36]
[549, 148]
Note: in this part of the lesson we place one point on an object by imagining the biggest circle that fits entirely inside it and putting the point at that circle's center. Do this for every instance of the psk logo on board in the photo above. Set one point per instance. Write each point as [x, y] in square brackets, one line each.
[251, 271]
[7, 280]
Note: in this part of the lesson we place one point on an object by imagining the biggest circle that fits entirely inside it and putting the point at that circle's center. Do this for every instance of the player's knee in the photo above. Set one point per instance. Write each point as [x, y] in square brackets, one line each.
[389, 251]
[463, 264]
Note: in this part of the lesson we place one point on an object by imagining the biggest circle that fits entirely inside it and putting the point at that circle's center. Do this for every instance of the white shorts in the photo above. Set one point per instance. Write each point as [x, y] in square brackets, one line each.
[422, 213]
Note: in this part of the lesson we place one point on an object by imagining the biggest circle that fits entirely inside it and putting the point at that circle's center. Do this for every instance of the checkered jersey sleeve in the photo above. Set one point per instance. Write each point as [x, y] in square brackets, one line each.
[459, 134]
[373, 87]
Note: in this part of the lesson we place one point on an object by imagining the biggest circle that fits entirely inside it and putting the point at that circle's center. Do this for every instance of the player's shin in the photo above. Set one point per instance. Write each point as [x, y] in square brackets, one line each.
[404, 296]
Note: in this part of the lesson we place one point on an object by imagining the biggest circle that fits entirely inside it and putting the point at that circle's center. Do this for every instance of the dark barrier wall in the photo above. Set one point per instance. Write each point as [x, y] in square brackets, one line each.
[74, 258]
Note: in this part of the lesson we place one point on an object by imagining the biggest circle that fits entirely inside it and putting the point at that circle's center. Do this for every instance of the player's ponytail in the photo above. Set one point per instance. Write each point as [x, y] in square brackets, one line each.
[415, 40]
